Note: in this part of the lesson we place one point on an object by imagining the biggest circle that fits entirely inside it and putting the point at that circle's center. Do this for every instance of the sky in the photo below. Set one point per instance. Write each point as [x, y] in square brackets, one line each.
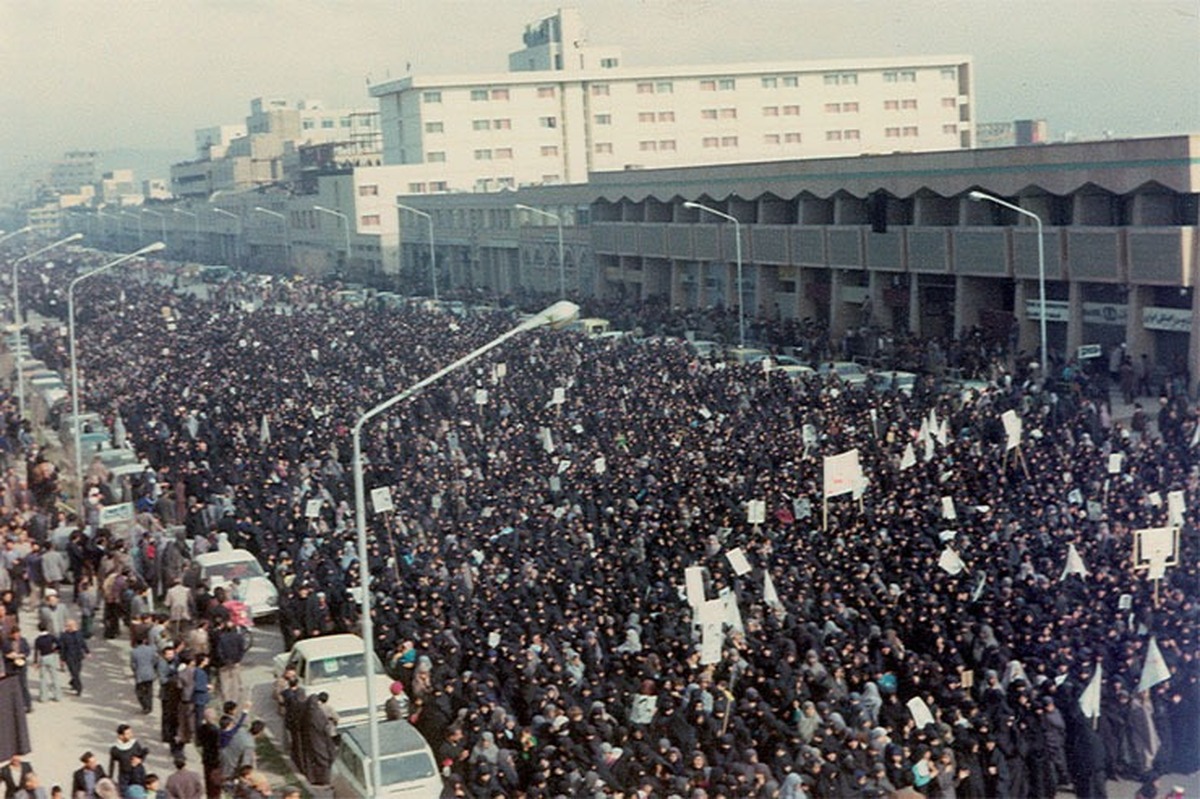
[143, 74]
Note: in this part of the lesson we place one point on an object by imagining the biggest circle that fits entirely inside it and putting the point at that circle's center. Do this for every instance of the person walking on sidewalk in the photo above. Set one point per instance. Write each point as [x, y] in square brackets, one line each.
[142, 661]
[73, 648]
[46, 656]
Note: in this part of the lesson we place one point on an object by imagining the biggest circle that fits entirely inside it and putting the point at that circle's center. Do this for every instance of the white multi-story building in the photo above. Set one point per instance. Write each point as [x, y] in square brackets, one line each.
[566, 109]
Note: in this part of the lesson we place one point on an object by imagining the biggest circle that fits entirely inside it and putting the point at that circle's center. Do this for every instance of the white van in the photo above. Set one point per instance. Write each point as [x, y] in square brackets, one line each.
[406, 763]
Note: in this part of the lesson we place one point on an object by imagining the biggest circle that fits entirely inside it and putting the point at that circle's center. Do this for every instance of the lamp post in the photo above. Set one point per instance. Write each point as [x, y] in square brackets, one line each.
[562, 272]
[17, 316]
[238, 230]
[15, 233]
[978, 196]
[149, 248]
[195, 228]
[737, 244]
[432, 257]
[345, 221]
[558, 314]
[287, 240]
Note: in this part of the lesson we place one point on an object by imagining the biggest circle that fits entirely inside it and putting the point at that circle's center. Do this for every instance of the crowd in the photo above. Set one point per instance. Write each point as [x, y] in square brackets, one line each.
[528, 590]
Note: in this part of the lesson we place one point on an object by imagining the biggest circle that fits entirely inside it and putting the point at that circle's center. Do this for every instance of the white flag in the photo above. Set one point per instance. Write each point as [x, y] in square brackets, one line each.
[770, 596]
[1175, 508]
[1075, 564]
[1154, 670]
[1195, 437]
[1089, 700]
[950, 562]
[559, 396]
[908, 459]
[928, 454]
[841, 473]
[933, 420]
[547, 439]
[920, 712]
[600, 465]
[1114, 463]
[923, 433]
[264, 431]
[943, 433]
[481, 396]
[948, 511]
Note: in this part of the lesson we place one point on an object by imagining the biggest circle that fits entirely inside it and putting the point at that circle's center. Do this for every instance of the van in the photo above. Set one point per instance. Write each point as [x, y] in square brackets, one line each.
[407, 766]
[590, 327]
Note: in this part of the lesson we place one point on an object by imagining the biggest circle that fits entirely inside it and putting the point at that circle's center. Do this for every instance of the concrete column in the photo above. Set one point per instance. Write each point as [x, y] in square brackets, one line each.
[1075, 317]
[968, 299]
[914, 304]
[806, 306]
[1028, 336]
[881, 314]
[1139, 340]
[837, 316]
[1194, 344]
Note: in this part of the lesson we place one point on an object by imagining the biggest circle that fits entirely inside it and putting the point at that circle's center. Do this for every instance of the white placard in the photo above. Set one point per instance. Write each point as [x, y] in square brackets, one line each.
[948, 511]
[756, 511]
[704, 412]
[481, 396]
[920, 712]
[694, 579]
[950, 562]
[711, 639]
[499, 371]
[909, 458]
[1155, 499]
[112, 514]
[381, 499]
[1094, 510]
[547, 439]
[808, 434]
[559, 396]
[1012, 429]
[1175, 508]
[1114, 462]
[733, 615]
[563, 465]
[312, 508]
[737, 559]
[555, 484]
[600, 466]
[711, 611]
[841, 473]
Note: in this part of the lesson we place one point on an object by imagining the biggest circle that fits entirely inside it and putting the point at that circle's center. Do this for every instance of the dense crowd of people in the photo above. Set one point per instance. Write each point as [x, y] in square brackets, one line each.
[529, 592]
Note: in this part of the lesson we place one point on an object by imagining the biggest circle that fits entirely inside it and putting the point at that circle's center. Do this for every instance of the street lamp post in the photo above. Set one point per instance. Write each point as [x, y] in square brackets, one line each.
[195, 229]
[562, 271]
[17, 316]
[978, 196]
[15, 233]
[432, 256]
[737, 245]
[237, 231]
[287, 241]
[149, 248]
[558, 314]
[345, 221]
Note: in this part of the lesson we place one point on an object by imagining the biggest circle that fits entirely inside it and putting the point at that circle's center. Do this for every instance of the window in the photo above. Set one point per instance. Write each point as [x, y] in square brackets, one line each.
[708, 85]
[437, 185]
[791, 110]
[609, 63]
[950, 128]
[850, 135]
[344, 122]
[770, 110]
[833, 108]
[501, 124]
[431, 97]
[728, 113]
[648, 146]
[791, 81]
[891, 105]
[711, 141]
[551, 178]
[949, 73]
[479, 94]
[603, 148]
[908, 76]
[483, 155]
[602, 119]
[892, 133]
[326, 123]
[481, 124]
[791, 138]
[507, 183]
[368, 190]
[503, 152]
[435, 157]
[949, 102]
[729, 141]
[646, 87]
[416, 188]
[548, 122]
[550, 149]
[434, 127]
[666, 144]
[891, 77]
[599, 90]
[546, 91]
[771, 138]
[664, 87]
[770, 83]
[849, 108]
[499, 94]
[369, 220]
[909, 105]
[833, 135]
[910, 130]
[646, 116]
[708, 113]
[666, 116]
[831, 80]
[726, 84]
[308, 124]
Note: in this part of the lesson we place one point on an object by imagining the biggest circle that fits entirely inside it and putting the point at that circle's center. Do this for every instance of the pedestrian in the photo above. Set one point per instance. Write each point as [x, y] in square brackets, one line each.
[85, 778]
[321, 723]
[73, 649]
[228, 650]
[12, 775]
[170, 697]
[31, 788]
[208, 741]
[142, 662]
[200, 692]
[52, 613]
[184, 783]
[46, 654]
[17, 653]
[122, 753]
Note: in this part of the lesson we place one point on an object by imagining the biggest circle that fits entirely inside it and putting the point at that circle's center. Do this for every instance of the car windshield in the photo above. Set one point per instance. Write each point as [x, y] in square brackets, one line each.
[406, 768]
[235, 570]
[338, 667]
[848, 369]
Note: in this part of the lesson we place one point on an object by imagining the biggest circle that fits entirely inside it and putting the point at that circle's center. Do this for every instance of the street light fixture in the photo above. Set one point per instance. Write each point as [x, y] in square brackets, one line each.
[432, 257]
[737, 236]
[562, 272]
[238, 233]
[17, 316]
[149, 248]
[15, 233]
[345, 221]
[558, 314]
[287, 239]
[978, 196]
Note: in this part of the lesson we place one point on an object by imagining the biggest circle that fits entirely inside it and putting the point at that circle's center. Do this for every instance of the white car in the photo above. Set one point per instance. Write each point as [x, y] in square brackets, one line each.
[406, 764]
[334, 664]
[848, 372]
[222, 568]
[904, 382]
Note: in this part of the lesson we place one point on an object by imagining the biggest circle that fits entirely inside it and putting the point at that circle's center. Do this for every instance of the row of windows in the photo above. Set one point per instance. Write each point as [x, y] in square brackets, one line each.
[434, 185]
[326, 124]
[718, 113]
[498, 152]
[502, 153]
[788, 138]
[774, 111]
[647, 146]
[841, 108]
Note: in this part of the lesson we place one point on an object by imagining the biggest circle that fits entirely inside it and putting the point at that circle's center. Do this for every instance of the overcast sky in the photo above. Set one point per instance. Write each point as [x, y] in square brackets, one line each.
[108, 74]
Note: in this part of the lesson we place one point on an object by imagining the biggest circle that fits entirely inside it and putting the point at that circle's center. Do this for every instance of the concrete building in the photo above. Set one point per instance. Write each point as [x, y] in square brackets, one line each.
[76, 169]
[1012, 134]
[567, 109]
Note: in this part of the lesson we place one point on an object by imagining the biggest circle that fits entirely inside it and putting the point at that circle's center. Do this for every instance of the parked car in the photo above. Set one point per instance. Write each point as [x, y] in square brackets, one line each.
[334, 664]
[904, 382]
[406, 764]
[746, 355]
[706, 349]
[848, 372]
[222, 568]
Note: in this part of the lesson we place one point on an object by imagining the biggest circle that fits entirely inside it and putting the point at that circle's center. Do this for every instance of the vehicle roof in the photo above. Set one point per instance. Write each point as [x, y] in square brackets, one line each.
[226, 556]
[329, 646]
[395, 737]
